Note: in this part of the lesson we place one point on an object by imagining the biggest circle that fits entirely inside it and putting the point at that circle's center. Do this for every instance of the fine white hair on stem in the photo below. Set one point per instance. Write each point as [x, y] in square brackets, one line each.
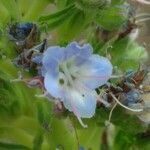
[42, 95]
[103, 101]
[110, 114]
[116, 76]
[16, 80]
[142, 15]
[134, 110]
[134, 34]
[142, 20]
[100, 99]
[19, 79]
[146, 2]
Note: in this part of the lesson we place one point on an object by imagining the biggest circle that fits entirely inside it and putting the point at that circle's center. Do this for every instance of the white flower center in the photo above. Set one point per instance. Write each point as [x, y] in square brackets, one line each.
[67, 79]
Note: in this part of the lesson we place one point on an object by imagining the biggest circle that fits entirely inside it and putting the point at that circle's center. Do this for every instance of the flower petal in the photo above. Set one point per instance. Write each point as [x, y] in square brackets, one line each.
[82, 104]
[52, 57]
[95, 72]
[78, 53]
[52, 85]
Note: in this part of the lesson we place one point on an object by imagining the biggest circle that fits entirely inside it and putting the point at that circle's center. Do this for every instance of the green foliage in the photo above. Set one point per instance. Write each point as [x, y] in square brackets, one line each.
[7, 146]
[112, 18]
[127, 54]
[74, 18]
[9, 105]
[76, 23]
[38, 140]
[58, 18]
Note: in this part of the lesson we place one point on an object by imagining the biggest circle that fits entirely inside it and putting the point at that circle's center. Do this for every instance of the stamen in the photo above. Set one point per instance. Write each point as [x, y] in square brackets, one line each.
[67, 73]
[134, 110]
[81, 122]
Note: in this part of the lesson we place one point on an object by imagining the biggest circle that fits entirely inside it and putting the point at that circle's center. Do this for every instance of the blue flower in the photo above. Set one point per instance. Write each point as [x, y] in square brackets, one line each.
[72, 74]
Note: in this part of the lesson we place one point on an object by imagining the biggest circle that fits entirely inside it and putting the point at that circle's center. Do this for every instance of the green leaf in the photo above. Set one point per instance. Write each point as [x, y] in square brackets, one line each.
[112, 18]
[23, 95]
[62, 134]
[4, 15]
[54, 20]
[127, 54]
[38, 140]
[44, 113]
[142, 140]
[62, 4]
[6, 46]
[12, 8]
[56, 15]
[36, 8]
[73, 26]
[24, 6]
[93, 132]
[114, 2]
[11, 146]
[9, 104]
[15, 135]
[124, 140]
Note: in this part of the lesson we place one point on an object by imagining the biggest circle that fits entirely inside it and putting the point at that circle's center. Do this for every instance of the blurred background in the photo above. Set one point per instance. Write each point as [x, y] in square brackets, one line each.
[144, 30]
